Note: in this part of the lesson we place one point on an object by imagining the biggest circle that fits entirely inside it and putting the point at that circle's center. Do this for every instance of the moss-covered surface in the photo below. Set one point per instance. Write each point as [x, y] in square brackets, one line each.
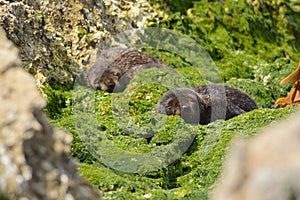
[246, 39]
[129, 152]
[191, 175]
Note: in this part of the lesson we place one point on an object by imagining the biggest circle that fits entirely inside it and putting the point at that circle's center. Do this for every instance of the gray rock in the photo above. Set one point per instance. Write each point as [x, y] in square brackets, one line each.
[266, 167]
[35, 162]
[58, 39]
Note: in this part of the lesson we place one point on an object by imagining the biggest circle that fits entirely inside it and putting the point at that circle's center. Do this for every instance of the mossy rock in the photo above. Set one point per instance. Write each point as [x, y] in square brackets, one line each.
[253, 49]
[157, 156]
[192, 174]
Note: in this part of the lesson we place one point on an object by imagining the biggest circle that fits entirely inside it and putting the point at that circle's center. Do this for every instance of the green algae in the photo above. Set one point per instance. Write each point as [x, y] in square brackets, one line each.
[248, 41]
[193, 174]
[59, 98]
[109, 152]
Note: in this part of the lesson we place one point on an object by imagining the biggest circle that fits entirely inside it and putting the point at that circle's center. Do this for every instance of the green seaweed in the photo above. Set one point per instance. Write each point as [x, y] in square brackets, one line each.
[137, 161]
[59, 99]
[193, 173]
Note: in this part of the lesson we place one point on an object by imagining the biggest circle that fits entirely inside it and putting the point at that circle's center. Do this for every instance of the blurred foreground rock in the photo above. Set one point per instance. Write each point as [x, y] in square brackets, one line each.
[267, 167]
[34, 158]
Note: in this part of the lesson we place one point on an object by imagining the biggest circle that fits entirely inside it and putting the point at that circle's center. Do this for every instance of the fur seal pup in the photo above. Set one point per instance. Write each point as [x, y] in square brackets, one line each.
[184, 102]
[205, 103]
[116, 66]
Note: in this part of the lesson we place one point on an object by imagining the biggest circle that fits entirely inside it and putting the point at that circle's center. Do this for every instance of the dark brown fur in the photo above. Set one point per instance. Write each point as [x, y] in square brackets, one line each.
[184, 102]
[215, 102]
[113, 71]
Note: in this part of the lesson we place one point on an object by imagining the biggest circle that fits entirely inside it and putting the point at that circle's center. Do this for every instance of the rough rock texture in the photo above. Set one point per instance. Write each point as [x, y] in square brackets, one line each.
[57, 39]
[34, 158]
[265, 168]
[133, 14]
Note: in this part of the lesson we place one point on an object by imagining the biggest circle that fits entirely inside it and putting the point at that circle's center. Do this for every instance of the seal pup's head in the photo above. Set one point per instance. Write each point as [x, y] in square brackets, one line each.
[183, 102]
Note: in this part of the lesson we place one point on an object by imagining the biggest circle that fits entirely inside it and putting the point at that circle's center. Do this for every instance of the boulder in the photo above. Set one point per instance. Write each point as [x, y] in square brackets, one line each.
[34, 156]
[265, 167]
[60, 39]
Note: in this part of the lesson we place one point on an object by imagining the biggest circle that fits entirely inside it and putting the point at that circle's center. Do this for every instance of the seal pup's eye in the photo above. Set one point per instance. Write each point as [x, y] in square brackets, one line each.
[110, 86]
[117, 74]
[169, 110]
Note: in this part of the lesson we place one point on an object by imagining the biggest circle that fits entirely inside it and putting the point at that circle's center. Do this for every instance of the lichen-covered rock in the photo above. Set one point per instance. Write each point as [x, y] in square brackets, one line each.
[35, 162]
[57, 39]
[133, 14]
[266, 167]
